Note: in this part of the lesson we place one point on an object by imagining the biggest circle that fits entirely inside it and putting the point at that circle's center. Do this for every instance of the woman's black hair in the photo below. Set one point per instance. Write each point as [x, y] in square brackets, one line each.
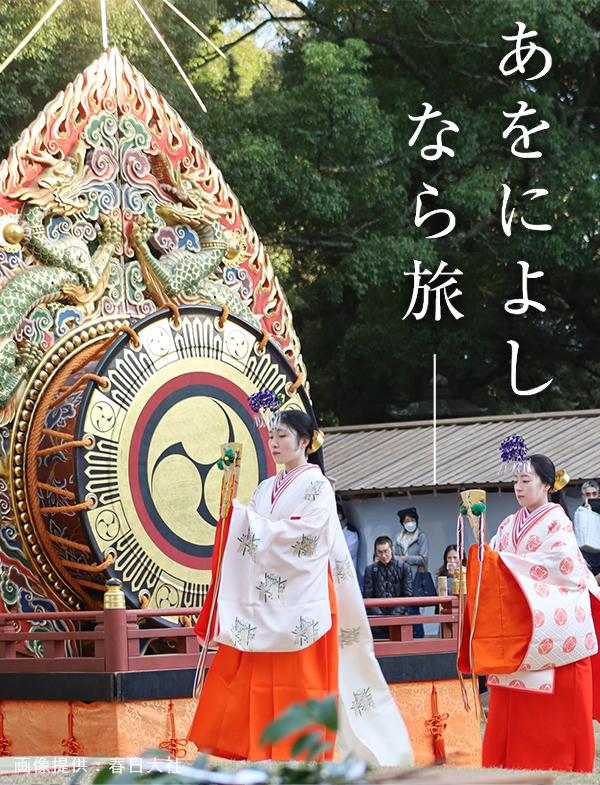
[412, 511]
[300, 422]
[545, 470]
[452, 547]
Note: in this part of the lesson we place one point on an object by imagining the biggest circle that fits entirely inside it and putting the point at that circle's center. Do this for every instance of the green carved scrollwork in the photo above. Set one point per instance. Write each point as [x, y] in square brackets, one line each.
[115, 288]
[8, 589]
[136, 286]
[102, 131]
[134, 134]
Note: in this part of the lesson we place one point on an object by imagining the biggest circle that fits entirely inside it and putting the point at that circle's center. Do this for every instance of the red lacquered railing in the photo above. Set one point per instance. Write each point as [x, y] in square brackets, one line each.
[401, 627]
[116, 639]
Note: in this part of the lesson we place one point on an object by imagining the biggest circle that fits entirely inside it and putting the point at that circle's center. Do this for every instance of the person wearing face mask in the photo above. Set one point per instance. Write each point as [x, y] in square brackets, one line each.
[412, 547]
[411, 544]
[586, 524]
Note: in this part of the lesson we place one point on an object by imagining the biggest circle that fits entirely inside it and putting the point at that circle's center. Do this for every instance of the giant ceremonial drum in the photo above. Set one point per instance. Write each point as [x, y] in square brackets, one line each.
[138, 313]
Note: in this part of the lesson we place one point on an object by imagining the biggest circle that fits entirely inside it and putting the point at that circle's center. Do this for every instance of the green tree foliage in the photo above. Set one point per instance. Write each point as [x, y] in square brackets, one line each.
[313, 136]
[72, 38]
[320, 158]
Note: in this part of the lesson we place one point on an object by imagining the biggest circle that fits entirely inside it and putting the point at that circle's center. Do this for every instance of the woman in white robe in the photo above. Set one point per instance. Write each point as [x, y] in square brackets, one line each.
[290, 620]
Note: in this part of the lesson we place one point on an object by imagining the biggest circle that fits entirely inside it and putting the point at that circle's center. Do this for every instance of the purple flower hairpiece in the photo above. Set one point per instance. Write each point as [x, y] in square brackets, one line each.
[513, 449]
[264, 404]
[265, 400]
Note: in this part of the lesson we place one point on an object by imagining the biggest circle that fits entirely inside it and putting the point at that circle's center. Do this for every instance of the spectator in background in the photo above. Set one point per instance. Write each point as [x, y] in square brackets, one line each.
[350, 535]
[585, 522]
[589, 490]
[450, 564]
[386, 577]
[412, 547]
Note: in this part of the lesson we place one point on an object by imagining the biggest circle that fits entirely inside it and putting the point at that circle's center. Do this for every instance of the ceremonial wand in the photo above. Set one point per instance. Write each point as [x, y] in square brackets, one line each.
[264, 404]
[474, 507]
[229, 462]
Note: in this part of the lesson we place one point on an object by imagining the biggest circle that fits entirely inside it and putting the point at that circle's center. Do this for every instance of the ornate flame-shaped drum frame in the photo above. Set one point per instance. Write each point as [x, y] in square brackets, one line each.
[125, 213]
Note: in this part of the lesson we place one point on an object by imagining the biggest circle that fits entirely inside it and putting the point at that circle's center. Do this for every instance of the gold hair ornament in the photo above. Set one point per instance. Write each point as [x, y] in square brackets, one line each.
[561, 478]
[317, 441]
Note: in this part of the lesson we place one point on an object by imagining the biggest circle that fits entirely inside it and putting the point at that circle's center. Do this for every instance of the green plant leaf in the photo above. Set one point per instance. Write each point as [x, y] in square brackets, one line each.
[306, 743]
[124, 778]
[104, 775]
[327, 712]
[317, 749]
[299, 716]
[294, 719]
[201, 762]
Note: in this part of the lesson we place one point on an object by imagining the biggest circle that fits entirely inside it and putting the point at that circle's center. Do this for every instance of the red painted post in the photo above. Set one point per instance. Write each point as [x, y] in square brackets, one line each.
[53, 649]
[8, 647]
[406, 632]
[116, 655]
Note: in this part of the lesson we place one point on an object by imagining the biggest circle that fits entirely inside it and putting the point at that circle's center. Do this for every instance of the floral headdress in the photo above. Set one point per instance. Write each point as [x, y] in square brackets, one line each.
[515, 460]
[265, 404]
[514, 455]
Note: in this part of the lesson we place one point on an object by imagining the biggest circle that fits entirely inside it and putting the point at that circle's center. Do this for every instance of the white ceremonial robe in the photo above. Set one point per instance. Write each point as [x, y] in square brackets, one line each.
[273, 597]
[541, 551]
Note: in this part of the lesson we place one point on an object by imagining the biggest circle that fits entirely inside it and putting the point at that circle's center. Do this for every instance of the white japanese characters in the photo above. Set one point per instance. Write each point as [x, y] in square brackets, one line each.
[524, 50]
[442, 283]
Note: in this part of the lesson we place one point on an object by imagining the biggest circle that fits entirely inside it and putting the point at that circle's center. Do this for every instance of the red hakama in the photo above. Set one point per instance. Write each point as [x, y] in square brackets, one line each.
[532, 730]
[245, 691]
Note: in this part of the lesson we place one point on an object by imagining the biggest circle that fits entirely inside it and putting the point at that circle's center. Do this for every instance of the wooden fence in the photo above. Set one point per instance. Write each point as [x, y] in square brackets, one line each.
[115, 639]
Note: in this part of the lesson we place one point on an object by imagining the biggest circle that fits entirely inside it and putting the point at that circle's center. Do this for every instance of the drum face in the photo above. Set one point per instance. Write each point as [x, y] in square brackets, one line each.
[155, 437]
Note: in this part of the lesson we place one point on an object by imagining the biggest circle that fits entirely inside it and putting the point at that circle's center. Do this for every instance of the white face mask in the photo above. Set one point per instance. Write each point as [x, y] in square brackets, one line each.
[410, 526]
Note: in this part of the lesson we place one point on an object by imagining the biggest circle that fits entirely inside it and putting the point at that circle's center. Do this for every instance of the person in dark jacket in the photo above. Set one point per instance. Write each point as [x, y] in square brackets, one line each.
[387, 577]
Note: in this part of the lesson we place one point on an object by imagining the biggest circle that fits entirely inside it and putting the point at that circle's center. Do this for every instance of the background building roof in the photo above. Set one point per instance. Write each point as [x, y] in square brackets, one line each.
[397, 456]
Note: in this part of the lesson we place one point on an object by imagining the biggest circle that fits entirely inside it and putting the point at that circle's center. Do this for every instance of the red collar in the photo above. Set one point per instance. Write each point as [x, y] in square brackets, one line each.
[524, 520]
[285, 479]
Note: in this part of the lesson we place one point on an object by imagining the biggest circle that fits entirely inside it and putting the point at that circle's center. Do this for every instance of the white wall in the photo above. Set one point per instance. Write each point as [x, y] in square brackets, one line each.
[373, 517]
